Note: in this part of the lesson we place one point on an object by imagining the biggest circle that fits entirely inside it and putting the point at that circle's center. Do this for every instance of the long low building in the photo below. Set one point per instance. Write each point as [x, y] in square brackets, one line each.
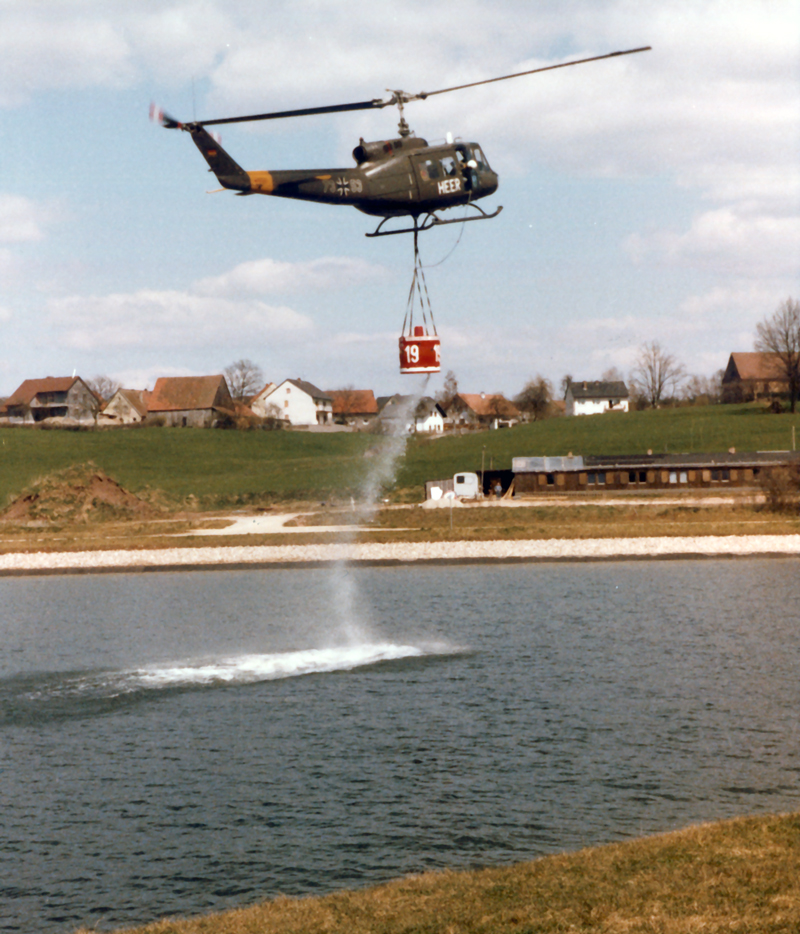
[571, 474]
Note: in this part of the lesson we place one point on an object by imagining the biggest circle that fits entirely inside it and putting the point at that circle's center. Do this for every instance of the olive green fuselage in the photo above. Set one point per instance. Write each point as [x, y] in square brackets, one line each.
[392, 178]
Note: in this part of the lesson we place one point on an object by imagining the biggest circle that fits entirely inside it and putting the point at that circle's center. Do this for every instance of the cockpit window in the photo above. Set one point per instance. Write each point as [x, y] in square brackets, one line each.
[472, 153]
[477, 155]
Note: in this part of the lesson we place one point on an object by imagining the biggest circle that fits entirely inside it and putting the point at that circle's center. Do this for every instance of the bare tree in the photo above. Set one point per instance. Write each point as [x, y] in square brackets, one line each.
[244, 378]
[448, 391]
[534, 400]
[612, 375]
[103, 386]
[656, 374]
[703, 390]
[566, 382]
[780, 335]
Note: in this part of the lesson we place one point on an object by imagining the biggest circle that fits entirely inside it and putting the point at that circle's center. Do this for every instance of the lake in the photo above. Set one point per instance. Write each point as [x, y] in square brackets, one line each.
[175, 743]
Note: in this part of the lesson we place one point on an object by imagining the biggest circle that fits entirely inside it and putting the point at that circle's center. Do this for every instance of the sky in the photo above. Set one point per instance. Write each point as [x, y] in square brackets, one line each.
[653, 197]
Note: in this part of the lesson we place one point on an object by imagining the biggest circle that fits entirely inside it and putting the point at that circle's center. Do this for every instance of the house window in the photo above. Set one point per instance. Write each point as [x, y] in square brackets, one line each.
[597, 479]
[682, 477]
[631, 476]
[673, 476]
[551, 479]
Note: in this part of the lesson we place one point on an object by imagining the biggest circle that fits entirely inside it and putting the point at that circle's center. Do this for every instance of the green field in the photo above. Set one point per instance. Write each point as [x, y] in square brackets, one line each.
[224, 468]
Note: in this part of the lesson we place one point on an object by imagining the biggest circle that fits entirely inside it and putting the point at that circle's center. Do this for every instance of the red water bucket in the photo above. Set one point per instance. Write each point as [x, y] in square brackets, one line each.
[419, 353]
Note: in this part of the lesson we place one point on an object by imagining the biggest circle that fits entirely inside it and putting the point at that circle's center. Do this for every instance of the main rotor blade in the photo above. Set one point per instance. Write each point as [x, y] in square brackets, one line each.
[398, 96]
[533, 71]
[304, 112]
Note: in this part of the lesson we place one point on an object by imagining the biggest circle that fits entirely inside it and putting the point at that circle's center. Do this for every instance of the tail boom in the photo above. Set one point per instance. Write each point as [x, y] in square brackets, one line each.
[228, 171]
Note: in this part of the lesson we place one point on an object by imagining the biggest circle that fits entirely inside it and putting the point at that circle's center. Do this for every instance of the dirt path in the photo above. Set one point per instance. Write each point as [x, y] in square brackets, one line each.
[240, 556]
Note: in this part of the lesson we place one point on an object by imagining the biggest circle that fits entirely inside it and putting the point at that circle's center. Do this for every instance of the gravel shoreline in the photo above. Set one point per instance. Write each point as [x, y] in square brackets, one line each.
[459, 552]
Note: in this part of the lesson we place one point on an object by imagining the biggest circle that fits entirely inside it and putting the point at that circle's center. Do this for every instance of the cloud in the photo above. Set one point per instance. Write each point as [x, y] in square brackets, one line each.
[170, 320]
[21, 219]
[727, 243]
[269, 276]
[67, 46]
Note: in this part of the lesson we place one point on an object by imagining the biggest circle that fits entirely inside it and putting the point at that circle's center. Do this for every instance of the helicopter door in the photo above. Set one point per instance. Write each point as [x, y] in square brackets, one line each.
[438, 176]
[469, 166]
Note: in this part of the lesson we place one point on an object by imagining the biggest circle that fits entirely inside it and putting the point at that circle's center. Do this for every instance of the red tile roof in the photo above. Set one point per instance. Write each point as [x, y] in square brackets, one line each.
[353, 402]
[182, 393]
[32, 387]
[764, 366]
[493, 405]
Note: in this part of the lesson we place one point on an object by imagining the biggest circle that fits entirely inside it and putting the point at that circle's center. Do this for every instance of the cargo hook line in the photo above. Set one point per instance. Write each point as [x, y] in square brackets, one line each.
[419, 289]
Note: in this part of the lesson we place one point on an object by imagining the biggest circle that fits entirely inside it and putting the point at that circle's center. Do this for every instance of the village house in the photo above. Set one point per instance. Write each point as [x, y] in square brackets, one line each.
[259, 405]
[753, 376]
[429, 416]
[595, 397]
[301, 403]
[354, 407]
[190, 401]
[54, 399]
[406, 414]
[482, 410]
[125, 407]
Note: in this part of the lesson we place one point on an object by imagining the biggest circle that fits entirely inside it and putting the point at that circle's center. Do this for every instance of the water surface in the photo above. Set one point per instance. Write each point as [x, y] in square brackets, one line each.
[177, 743]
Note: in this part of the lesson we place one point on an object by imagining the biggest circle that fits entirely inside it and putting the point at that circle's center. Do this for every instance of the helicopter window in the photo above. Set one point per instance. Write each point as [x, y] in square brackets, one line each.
[477, 155]
[449, 166]
[431, 166]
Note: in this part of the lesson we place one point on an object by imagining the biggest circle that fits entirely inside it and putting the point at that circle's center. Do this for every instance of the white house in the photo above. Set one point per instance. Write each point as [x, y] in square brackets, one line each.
[592, 398]
[301, 403]
[405, 414]
[429, 416]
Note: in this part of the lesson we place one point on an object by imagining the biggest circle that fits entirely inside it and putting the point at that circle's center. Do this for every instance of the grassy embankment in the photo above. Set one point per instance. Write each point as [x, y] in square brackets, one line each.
[220, 469]
[735, 876]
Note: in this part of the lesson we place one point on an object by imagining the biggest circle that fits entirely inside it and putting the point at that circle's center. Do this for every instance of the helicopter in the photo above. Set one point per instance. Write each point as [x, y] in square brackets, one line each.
[402, 177]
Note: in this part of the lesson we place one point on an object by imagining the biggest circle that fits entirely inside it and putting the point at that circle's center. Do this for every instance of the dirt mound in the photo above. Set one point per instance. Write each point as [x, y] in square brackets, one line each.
[78, 494]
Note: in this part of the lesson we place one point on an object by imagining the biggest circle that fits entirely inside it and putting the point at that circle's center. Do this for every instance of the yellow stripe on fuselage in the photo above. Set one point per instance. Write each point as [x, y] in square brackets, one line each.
[261, 181]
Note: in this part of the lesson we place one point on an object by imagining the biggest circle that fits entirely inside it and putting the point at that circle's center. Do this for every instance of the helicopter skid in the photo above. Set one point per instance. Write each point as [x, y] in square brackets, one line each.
[432, 220]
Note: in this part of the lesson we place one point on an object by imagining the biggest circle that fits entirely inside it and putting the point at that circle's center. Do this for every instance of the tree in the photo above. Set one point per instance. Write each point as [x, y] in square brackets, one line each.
[613, 375]
[566, 382]
[534, 400]
[656, 374]
[449, 390]
[780, 335]
[244, 378]
[103, 386]
[703, 390]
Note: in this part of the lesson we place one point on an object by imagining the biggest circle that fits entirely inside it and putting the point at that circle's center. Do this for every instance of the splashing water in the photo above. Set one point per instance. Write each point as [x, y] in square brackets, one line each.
[355, 625]
[384, 466]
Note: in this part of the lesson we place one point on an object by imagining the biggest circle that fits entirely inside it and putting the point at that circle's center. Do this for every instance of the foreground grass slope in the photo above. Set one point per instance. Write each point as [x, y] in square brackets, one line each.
[736, 876]
[230, 467]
